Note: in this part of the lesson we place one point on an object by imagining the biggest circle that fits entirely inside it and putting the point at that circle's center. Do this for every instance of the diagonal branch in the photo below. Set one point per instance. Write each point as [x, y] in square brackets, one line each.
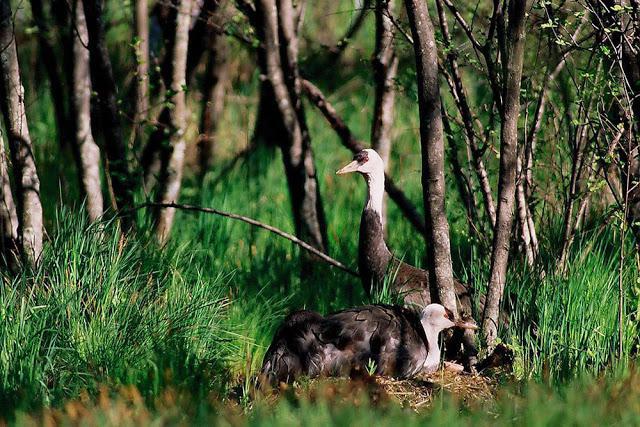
[304, 245]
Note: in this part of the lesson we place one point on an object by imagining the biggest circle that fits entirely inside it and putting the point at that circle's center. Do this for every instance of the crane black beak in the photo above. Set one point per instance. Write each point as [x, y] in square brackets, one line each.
[463, 324]
[351, 167]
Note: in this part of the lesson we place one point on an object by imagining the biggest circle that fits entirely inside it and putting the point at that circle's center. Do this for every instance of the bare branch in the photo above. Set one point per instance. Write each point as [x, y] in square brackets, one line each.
[253, 222]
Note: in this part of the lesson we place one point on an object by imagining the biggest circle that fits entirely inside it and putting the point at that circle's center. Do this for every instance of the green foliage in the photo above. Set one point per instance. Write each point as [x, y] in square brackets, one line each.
[101, 311]
[567, 325]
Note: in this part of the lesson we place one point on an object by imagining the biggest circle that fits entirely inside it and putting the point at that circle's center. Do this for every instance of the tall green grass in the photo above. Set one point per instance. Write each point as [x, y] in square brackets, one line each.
[99, 310]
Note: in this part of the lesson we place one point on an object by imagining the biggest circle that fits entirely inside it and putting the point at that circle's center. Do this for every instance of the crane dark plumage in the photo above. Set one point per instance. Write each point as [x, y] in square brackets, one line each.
[397, 341]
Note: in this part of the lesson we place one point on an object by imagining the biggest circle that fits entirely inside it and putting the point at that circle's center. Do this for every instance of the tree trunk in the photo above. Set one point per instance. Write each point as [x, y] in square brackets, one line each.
[508, 164]
[104, 85]
[215, 83]
[631, 68]
[173, 158]
[431, 136]
[48, 55]
[199, 36]
[296, 145]
[8, 214]
[30, 228]
[88, 153]
[385, 68]
[269, 128]
[523, 217]
[141, 109]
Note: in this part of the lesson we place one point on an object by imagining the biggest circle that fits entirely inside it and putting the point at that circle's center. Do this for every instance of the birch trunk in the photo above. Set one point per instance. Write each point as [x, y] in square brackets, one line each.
[29, 208]
[279, 65]
[8, 214]
[104, 85]
[508, 165]
[141, 17]
[88, 151]
[173, 160]
[385, 69]
[431, 136]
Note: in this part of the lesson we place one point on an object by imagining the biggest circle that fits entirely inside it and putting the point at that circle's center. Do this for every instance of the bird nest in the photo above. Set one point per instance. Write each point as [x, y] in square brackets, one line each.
[415, 393]
[419, 393]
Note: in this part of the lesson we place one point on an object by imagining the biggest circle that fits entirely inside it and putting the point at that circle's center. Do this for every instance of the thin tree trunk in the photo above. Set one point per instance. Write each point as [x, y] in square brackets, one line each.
[104, 85]
[462, 181]
[141, 109]
[296, 149]
[631, 69]
[48, 55]
[215, 84]
[173, 159]
[385, 69]
[577, 166]
[8, 214]
[88, 152]
[523, 217]
[431, 136]
[29, 208]
[199, 37]
[508, 165]
[460, 98]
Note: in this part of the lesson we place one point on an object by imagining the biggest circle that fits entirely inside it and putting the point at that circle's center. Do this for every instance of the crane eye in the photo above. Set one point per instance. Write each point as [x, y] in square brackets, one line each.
[361, 157]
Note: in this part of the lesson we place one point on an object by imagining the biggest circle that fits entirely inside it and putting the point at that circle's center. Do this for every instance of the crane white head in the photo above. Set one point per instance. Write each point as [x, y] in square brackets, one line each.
[371, 166]
[436, 318]
[366, 162]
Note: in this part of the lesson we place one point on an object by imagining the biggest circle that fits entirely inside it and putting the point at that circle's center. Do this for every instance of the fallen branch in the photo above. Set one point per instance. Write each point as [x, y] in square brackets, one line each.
[316, 96]
[256, 223]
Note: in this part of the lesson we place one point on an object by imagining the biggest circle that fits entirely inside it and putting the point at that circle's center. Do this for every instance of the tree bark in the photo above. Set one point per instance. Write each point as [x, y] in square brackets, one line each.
[385, 69]
[280, 68]
[141, 108]
[173, 158]
[88, 152]
[523, 217]
[432, 143]
[215, 84]
[508, 165]
[105, 86]
[29, 208]
[199, 37]
[631, 69]
[48, 55]
[8, 214]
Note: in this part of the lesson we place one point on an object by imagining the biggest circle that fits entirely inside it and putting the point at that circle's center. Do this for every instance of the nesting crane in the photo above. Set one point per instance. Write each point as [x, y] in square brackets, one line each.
[388, 340]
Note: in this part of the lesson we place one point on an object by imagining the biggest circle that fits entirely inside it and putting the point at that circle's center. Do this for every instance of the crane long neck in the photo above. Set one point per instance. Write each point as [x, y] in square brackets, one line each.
[432, 361]
[375, 184]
